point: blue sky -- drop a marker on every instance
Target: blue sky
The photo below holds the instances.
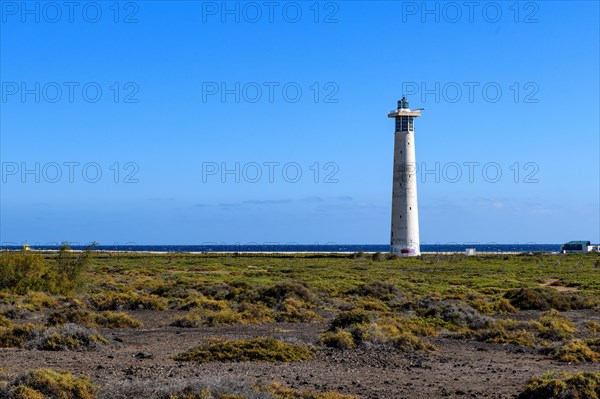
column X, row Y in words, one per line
column 190, row 89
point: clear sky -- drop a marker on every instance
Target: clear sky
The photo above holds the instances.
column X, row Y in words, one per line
column 266, row 122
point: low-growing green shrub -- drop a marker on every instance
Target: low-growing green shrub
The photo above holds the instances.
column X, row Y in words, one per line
column 16, row 312
column 107, row 319
column 39, row 301
column 563, row 385
column 293, row 311
column 575, row 351
column 506, row 331
column 210, row 388
column 424, row 326
column 358, row 328
column 378, row 290
column 223, row 290
column 244, row 350
column 501, row 306
column 42, row 384
column 131, row 301
column 206, row 393
column 76, row 316
column 17, row 335
column 390, row 334
column 283, row 302
column 245, row 313
column 378, row 257
column 67, row 337
column 195, row 301
column 593, row 327
column 340, row 339
column 279, row 392
column 279, row 292
column 407, row 341
column 208, row 318
column 454, row 312
column 593, row 343
column 519, row 337
column 370, row 305
column 255, row 313
column 350, row 319
column 553, row 326
column 110, row 319
column 357, row 255
column 545, row 298
column 4, row 322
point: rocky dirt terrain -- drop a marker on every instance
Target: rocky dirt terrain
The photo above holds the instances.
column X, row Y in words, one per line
column 138, row 357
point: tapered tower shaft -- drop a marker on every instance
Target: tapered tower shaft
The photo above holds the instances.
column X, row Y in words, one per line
column 405, row 212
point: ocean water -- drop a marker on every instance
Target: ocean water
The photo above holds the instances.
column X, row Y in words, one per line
column 307, row 248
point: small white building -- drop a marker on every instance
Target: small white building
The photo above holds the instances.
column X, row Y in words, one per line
column 576, row 247
column 470, row 251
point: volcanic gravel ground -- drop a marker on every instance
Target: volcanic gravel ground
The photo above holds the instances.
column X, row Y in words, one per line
column 459, row 369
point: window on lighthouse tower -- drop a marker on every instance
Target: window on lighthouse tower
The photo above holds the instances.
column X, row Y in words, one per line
column 404, row 121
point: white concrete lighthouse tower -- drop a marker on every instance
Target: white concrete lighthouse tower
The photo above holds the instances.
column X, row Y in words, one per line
column 405, row 212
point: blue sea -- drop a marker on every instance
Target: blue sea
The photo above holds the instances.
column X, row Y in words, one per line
column 432, row 248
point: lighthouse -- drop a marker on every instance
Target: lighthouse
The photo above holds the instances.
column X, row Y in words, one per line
column 405, row 212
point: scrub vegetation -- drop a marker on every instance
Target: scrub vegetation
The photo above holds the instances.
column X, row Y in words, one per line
column 50, row 384
column 247, row 350
column 45, row 383
column 23, row 272
column 563, row 385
